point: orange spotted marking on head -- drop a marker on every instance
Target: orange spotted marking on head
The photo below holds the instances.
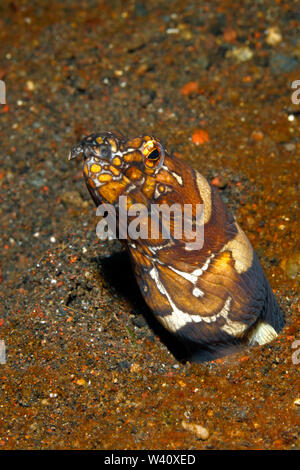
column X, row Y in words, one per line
column 134, row 173
column 149, row 187
column 112, row 190
column 133, row 157
column 95, row 168
column 86, row 170
column 167, row 178
column 134, row 143
column 104, row 177
column 114, row 170
column 117, row 161
column 99, row 140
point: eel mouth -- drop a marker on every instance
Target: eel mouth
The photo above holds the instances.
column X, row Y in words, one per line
column 75, row 151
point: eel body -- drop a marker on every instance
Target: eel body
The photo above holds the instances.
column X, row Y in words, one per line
column 202, row 280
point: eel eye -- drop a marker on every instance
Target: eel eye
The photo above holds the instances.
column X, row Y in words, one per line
column 154, row 154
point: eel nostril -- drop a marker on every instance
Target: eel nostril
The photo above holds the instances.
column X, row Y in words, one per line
column 75, row 151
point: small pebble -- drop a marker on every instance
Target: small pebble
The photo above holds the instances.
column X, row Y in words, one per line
column 291, row 265
column 230, row 35
column 200, row 137
column 274, row 36
column 134, row 368
column 199, row 431
column 289, row 146
column 281, row 63
column 146, row 99
column 81, row 382
column 240, row 54
column 257, row 135
column 73, row 198
column 142, row 69
column 250, row 221
column 172, row 31
column 189, row 88
column 219, row 181
column 123, row 365
column 30, row 85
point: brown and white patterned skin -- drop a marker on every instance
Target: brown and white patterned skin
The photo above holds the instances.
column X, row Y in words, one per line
column 214, row 298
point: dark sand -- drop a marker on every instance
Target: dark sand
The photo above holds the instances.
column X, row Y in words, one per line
column 87, row 367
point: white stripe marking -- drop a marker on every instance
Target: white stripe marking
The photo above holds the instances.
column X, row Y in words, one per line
column 197, row 292
column 198, row 272
column 193, row 277
column 178, row 319
column 177, row 177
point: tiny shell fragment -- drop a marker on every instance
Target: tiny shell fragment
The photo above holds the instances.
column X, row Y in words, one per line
column 199, row 431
